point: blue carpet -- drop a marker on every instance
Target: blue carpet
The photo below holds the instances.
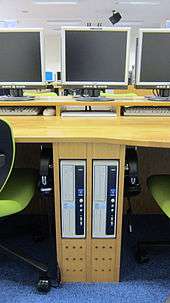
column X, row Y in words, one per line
column 149, row 283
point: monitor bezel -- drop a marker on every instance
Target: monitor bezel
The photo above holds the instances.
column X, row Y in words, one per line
column 138, row 82
column 26, row 84
column 92, row 84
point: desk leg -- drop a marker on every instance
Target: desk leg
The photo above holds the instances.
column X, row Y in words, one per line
column 88, row 260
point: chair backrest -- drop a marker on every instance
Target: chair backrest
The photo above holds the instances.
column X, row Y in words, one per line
column 7, row 152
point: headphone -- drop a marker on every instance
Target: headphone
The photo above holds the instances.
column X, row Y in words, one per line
column 132, row 186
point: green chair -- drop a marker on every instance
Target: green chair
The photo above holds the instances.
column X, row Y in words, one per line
column 159, row 187
column 17, row 188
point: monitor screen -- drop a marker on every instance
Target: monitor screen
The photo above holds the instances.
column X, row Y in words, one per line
column 95, row 56
column 21, row 57
column 153, row 59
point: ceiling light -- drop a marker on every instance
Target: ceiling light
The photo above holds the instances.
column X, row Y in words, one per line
column 140, row 2
column 115, row 18
column 54, row 2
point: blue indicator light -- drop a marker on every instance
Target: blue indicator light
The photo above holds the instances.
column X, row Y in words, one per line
column 80, row 192
column 112, row 192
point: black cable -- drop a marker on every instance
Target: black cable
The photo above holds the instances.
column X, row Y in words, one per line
column 129, row 214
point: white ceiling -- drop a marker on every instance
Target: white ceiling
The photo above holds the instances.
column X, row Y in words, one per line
column 135, row 13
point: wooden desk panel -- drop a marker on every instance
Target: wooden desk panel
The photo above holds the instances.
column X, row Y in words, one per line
column 89, row 260
column 151, row 161
column 136, row 131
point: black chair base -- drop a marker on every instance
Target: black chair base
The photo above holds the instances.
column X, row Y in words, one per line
column 45, row 186
column 44, row 282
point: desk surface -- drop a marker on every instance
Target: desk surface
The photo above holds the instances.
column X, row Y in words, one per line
column 145, row 131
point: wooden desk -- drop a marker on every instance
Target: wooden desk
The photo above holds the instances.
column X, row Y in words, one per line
column 90, row 259
column 135, row 131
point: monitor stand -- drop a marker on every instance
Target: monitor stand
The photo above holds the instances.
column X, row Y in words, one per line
column 14, row 95
column 162, row 94
column 92, row 95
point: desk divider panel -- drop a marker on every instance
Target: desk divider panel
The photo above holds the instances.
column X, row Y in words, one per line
column 88, row 259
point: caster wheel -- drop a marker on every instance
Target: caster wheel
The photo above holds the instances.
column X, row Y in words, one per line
column 141, row 256
column 44, row 285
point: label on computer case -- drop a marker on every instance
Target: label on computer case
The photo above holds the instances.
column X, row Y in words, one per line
column 105, row 192
column 73, row 182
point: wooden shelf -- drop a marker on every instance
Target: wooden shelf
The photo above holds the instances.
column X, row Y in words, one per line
column 59, row 102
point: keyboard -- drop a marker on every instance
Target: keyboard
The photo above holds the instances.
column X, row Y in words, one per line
column 12, row 98
column 158, row 98
column 94, row 99
column 147, row 111
column 87, row 114
column 20, row 110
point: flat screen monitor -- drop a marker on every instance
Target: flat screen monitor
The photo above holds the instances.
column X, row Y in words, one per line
column 21, row 58
column 153, row 59
column 95, row 57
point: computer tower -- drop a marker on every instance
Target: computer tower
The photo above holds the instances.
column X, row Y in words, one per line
column 73, row 198
column 105, row 196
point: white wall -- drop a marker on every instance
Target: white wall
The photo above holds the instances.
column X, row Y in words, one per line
column 52, row 52
column 134, row 35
